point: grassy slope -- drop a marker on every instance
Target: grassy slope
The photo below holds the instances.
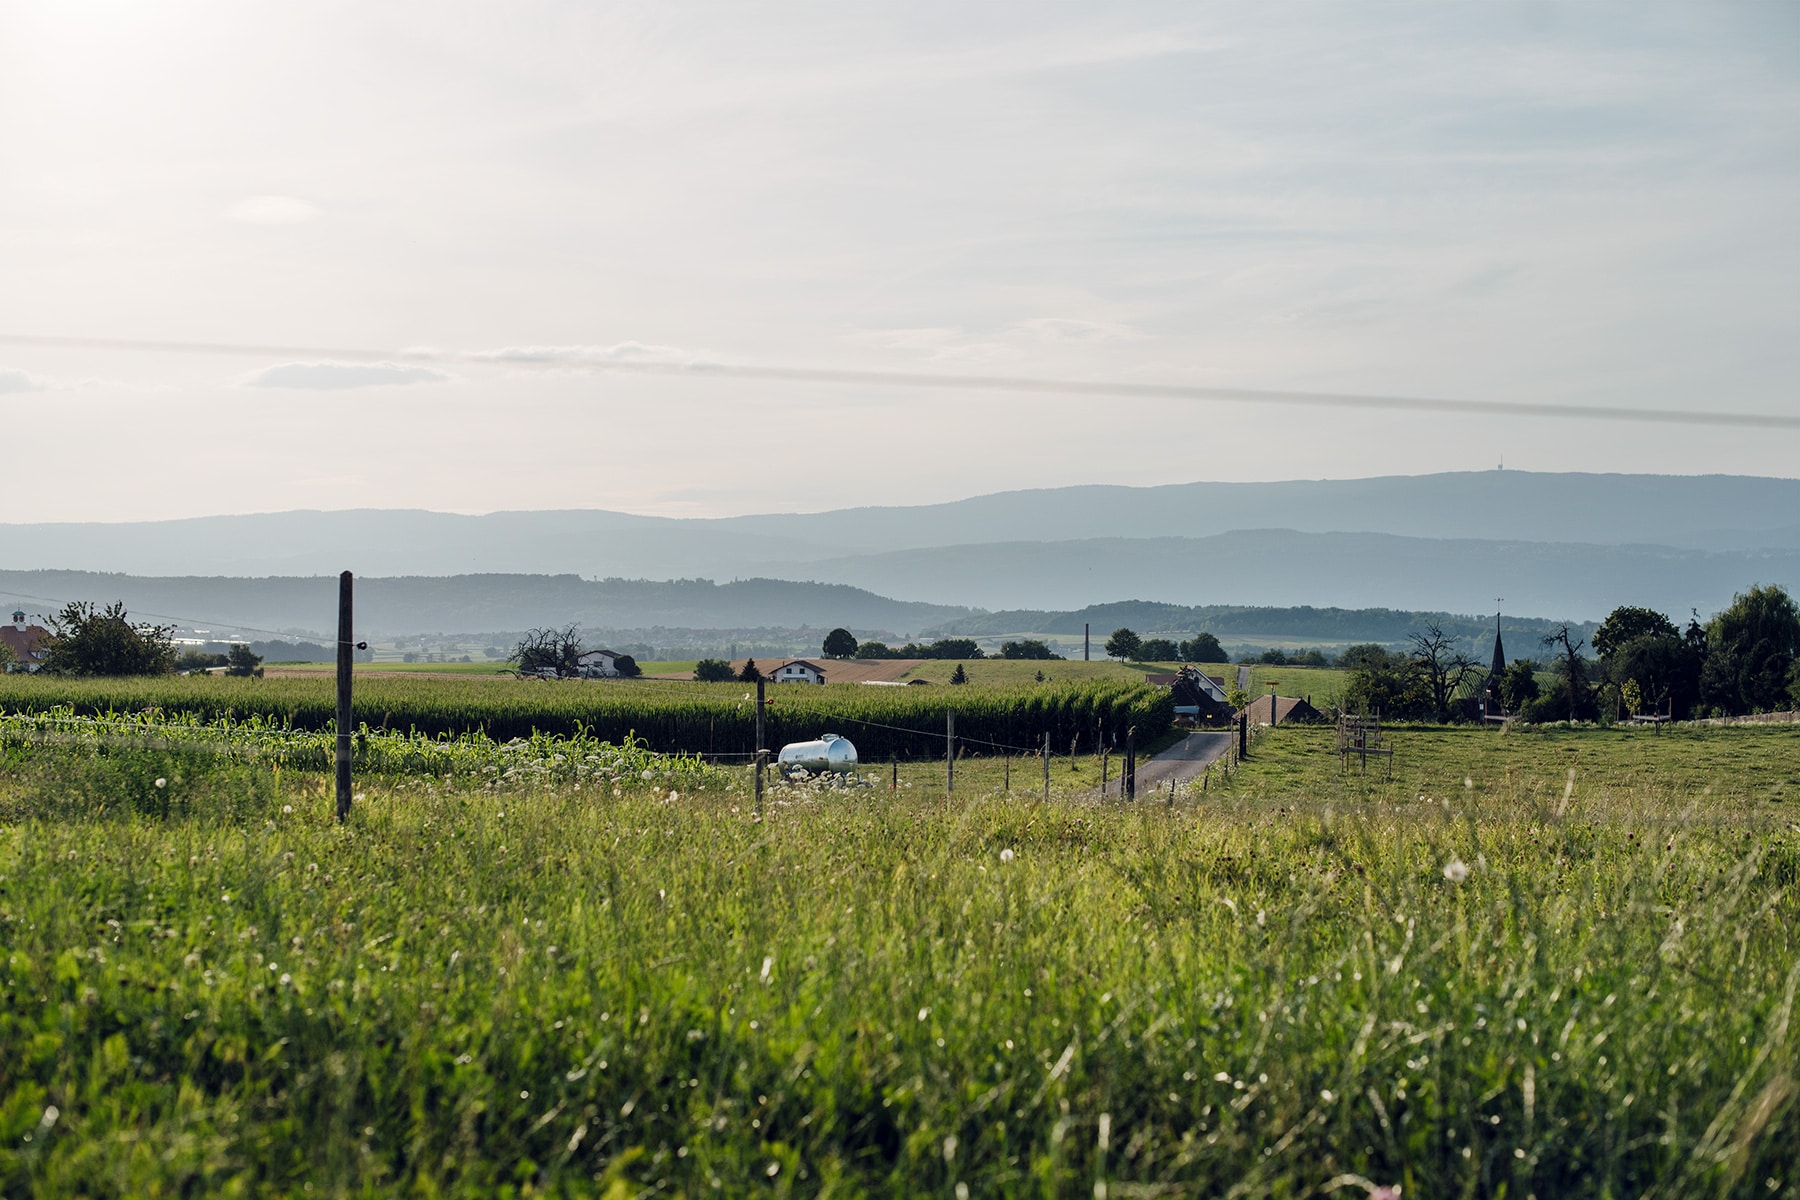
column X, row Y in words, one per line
column 1272, row 987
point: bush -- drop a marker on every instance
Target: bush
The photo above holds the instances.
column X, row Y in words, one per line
column 713, row 670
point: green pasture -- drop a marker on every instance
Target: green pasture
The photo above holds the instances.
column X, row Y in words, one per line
column 1551, row 962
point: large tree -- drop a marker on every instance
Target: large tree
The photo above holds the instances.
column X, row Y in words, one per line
column 1751, row 648
column 1158, row 650
column 1123, row 644
column 1574, row 670
column 550, row 651
column 1202, row 648
column 88, row 641
column 713, row 670
column 1442, row 666
column 1627, row 624
column 839, row 643
column 1026, row 648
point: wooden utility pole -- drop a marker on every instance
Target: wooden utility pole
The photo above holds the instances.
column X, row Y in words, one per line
column 949, row 751
column 1131, row 763
column 346, row 659
column 1085, row 654
column 761, row 751
column 1243, row 736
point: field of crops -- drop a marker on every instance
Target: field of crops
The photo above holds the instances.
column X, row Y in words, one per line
column 715, row 719
column 1555, row 963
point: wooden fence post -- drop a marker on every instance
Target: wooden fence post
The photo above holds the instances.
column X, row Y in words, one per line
column 346, row 650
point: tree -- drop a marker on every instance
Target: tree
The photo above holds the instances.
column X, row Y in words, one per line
column 839, row 643
column 1662, row 667
column 876, row 650
column 944, row 648
column 1202, row 648
column 1518, row 684
column 1026, row 649
column 243, row 662
column 1158, row 650
column 1444, row 668
column 712, row 670
column 1123, row 644
column 1626, row 624
column 959, row 675
column 1389, row 684
column 1756, row 641
column 1357, row 656
column 550, row 651
column 1573, row 668
column 627, row 667
column 199, row 662
column 88, row 641
column 749, row 674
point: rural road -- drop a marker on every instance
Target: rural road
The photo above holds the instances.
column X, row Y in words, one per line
column 1244, row 679
column 1183, row 761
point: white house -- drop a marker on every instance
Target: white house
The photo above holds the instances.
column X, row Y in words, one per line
column 599, row 664
column 797, row 671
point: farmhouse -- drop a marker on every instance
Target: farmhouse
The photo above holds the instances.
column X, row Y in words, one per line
column 797, row 671
column 26, row 643
column 1199, row 696
column 599, row 664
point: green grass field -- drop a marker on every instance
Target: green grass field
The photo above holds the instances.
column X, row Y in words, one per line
column 1538, row 963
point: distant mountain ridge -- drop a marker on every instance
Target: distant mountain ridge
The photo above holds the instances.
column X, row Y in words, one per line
column 1557, row 545
column 307, row 605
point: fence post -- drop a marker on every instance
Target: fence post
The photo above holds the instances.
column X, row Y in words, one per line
column 949, row 751
column 1007, row 757
column 761, row 753
column 1046, row 767
column 345, row 658
column 1131, row 763
column 1105, row 758
column 894, row 763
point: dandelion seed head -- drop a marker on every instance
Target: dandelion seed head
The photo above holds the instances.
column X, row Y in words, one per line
column 1456, row 870
column 1006, row 855
column 161, row 782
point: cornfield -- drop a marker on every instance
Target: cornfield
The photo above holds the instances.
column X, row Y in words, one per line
column 663, row 716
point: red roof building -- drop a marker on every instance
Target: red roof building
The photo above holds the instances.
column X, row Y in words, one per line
column 26, row 642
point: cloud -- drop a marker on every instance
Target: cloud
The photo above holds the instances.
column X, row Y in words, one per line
column 621, row 352
column 272, row 210
column 13, row 380
column 331, row 376
column 1069, row 329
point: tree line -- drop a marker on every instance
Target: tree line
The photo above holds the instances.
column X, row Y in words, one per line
column 1746, row 659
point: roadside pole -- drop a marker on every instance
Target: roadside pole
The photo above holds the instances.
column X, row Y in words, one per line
column 345, row 663
column 1046, row 768
column 949, row 751
column 761, row 751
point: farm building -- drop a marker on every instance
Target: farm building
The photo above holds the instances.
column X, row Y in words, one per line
column 26, row 642
column 1285, row 708
column 797, row 670
column 599, row 664
column 1199, row 696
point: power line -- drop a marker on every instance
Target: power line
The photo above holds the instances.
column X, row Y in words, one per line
column 914, row 379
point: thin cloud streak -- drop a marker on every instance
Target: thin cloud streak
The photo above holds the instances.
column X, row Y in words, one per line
column 381, row 369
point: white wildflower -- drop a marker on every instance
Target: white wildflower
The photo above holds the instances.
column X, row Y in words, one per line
column 161, row 782
column 1006, row 855
column 1456, row 870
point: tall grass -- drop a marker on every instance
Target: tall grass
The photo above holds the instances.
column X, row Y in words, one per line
column 1530, row 990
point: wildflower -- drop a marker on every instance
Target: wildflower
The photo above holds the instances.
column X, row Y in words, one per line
column 287, row 808
column 1456, row 870
column 161, row 782
column 1006, row 855
column 52, row 1114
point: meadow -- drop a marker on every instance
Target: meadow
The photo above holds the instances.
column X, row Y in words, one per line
column 1542, row 962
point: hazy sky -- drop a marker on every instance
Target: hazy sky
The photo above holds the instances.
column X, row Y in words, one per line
column 1581, row 203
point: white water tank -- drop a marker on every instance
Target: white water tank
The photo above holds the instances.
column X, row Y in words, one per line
column 830, row 753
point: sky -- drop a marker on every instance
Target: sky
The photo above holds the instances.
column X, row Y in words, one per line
column 1561, row 204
